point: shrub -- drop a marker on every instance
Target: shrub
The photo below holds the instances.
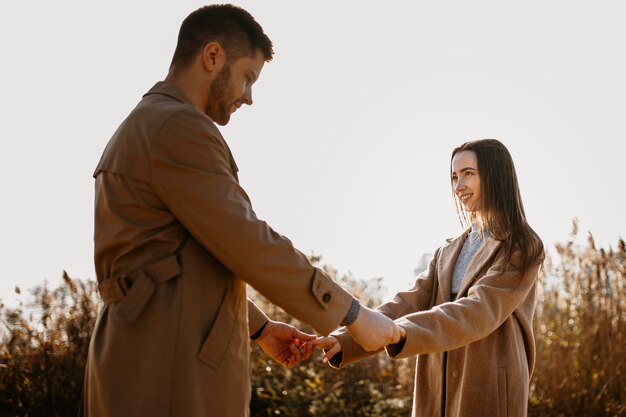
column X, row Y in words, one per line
column 375, row 386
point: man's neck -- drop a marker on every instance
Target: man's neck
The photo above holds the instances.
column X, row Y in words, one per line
column 190, row 88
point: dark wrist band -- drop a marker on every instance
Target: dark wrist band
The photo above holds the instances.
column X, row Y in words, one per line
column 256, row 334
column 352, row 314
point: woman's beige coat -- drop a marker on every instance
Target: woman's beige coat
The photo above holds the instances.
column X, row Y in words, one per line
column 476, row 354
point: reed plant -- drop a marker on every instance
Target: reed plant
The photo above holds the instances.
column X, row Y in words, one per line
column 581, row 333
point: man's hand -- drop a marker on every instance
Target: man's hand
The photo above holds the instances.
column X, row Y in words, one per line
column 373, row 330
column 282, row 342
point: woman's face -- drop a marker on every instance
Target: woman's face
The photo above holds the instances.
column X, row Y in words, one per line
column 466, row 181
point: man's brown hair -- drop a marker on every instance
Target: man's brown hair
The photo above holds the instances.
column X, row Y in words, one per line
column 232, row 27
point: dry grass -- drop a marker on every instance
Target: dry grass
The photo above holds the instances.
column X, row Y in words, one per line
column 42, row 356
column 581, row 334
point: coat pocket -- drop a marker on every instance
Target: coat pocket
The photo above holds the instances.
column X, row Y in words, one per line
column 216, row 343
column 136, row 300
column 502, row 393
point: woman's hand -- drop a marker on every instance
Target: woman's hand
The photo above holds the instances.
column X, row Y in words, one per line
column 329, row 344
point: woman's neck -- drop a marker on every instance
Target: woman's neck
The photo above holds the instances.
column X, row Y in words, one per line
column 477, row 223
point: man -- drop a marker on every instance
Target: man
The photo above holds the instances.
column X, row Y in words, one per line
column 176, row 241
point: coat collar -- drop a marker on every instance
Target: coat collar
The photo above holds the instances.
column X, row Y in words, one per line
column 168, row 89
column 449, row 255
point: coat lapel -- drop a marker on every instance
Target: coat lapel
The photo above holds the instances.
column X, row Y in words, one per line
column 445, row 267
column 484, row 255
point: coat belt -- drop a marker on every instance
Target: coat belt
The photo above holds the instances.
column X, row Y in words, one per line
column 115, row 289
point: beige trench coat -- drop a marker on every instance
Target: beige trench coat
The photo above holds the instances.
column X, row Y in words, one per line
column 176, row 241
column 475, row 355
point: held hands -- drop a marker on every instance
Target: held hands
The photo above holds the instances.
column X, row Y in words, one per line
column 282, row 342
column 289, row 346
column 379, row 332
column 330, row 345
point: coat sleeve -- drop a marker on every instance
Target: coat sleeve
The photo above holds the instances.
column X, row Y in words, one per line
column 490, row 301
column 192, row 174
column 418, row 298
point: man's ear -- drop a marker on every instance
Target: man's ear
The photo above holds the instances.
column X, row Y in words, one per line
column 213, row 57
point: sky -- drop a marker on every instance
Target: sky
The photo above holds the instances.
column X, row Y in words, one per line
column 346, row 149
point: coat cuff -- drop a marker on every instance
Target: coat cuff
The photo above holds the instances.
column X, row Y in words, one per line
column 351, row 351
column 403, row 349
column 333, row 300
column 256, row 318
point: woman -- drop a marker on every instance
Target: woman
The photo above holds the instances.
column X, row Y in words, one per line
column 469, row 315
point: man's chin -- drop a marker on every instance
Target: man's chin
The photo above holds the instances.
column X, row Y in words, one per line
column 222, row 120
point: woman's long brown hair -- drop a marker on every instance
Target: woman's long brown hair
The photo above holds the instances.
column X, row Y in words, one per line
column 501, row 208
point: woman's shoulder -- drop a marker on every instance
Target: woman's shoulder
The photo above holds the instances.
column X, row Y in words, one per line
column 535, row 245
column 527, row 251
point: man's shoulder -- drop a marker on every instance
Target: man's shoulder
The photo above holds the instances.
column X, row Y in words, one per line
column 163, row 118
column 130, row 143
column 157, row 110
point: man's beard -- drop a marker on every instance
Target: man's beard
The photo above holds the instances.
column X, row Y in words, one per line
column 217, row 105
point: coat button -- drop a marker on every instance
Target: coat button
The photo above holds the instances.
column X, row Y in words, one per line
column 455, row 374
column 326, row 297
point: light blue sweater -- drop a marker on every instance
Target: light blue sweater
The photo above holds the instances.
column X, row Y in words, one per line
column 471, row 245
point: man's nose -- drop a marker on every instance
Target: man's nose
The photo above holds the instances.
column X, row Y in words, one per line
column 247, row 97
